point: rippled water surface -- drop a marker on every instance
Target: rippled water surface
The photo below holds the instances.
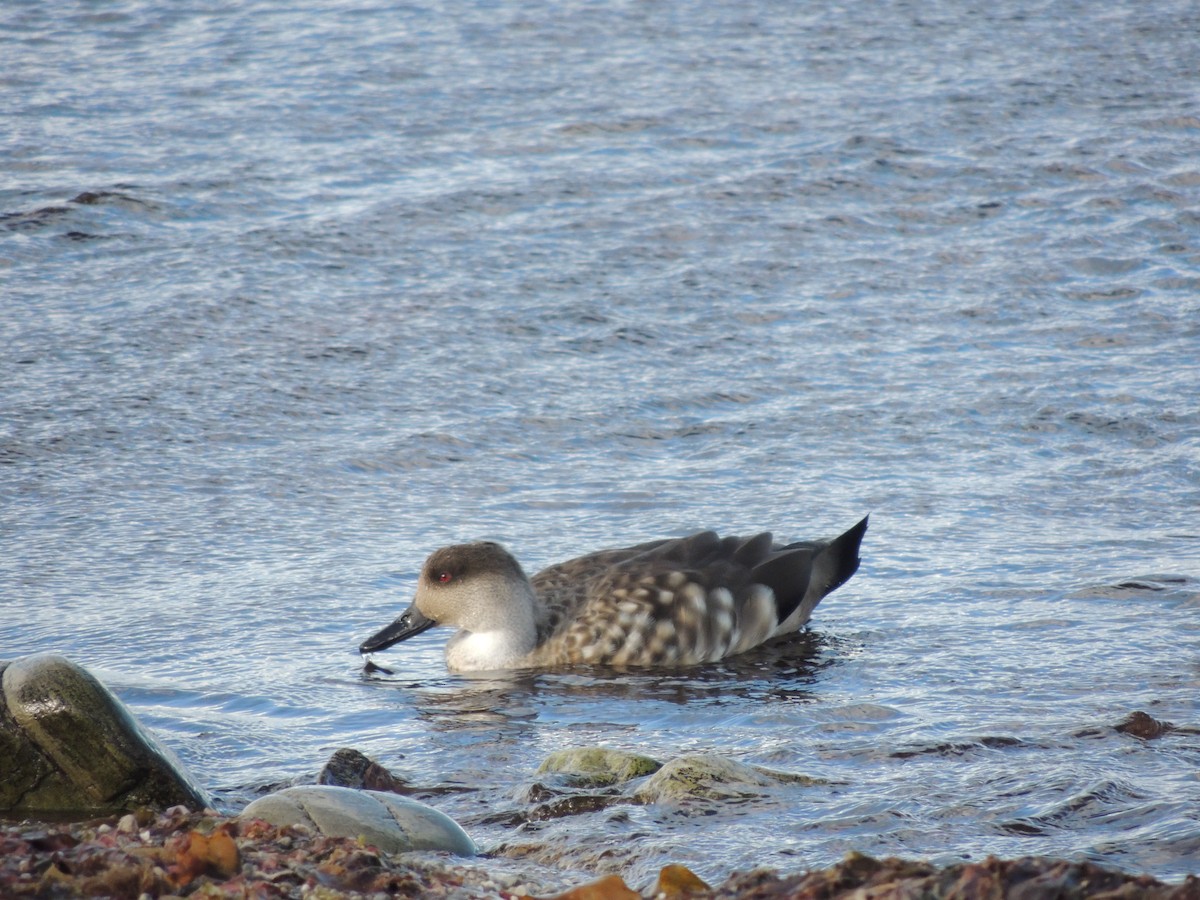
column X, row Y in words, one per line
column 294, row 293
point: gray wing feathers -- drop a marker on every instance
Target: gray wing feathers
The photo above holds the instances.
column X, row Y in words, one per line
column 692, row 599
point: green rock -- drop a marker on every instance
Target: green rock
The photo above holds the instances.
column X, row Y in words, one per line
column 711, row 777
column 598, row 766
column 76, row 749
column 24, row 768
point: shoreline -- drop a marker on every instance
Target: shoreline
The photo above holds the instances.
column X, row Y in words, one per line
column 180, row 853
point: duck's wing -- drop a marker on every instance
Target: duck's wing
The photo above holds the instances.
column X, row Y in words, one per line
column 693, row 599
column 566, row 587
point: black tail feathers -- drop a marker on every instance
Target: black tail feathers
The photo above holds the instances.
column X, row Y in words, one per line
column 842, row 554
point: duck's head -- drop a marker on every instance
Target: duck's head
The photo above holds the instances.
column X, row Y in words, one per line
column 477, row 588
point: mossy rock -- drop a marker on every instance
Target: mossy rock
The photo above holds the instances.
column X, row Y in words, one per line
column 71, row 747
column 710, row 777
column 598, row 766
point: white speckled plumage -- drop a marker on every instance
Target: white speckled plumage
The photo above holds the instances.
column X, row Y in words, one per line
column 674, row 602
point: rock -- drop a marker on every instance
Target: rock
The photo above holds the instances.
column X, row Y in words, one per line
column 597, row 766
column 127, row 824
column 70, row 746
column 1142, row 725
column 711, row 777
column 675, row 881
column 391, row 823
column 351, row 769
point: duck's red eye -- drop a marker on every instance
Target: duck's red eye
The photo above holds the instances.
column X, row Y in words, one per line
column 444, row 577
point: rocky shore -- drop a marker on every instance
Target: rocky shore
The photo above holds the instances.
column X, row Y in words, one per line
column 179, row 853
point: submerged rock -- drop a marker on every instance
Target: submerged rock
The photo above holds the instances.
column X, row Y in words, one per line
column 393, row 824
column 1142, row 725
column 71, row 747
column 598, row 779
column 711, row 777
column 598, row 766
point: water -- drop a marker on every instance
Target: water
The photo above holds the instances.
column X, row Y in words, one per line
column 293, row 296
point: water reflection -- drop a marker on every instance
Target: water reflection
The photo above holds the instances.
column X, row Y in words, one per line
column 785, row 669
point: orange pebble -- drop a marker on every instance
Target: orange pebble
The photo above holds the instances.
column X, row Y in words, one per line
column 675, row 881
column 610, row 887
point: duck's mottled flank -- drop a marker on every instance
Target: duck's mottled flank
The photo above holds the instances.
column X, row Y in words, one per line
column 665, row 603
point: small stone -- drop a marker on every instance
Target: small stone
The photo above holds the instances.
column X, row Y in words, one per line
column 676, row 881
column 127, row 824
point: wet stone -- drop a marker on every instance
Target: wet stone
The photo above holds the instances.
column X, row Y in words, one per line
column 572, row 806
column 391, row 823
column 352, row 769
column 71, row 747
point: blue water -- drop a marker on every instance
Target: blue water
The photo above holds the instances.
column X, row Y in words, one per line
column 292, row 295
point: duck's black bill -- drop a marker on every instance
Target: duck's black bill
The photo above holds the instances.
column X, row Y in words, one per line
column 410, row 623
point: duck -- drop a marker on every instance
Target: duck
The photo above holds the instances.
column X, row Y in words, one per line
column 667, row 603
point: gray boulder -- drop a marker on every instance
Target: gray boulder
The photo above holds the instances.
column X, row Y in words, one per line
column 389, row 822
column 71, row 747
